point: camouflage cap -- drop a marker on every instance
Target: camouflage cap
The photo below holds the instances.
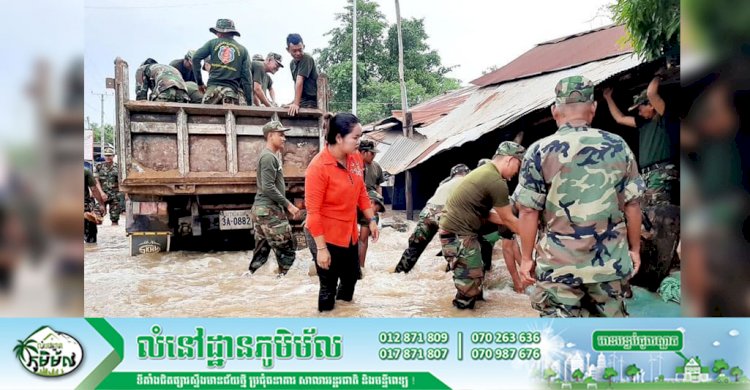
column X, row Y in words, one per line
column 574, row 89
column 108, row 151
column 510, row 148
column 276, row 57
column 641, row 98
column 367, row 146
column 274, row 126
column 460, row 169
column 224, row 26
column 189, row 55
column 377, row 198
column 257, row 57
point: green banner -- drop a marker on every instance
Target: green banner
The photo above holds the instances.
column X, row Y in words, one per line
column 637, row 340
column 110, row 361
column 271, row 380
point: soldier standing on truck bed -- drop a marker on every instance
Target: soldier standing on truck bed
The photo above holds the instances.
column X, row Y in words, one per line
column 272, row 229
column 262, row 82
column 185, row 66
column 304, row 74
column 165, row 82
column 229, row 80
column 106, row 176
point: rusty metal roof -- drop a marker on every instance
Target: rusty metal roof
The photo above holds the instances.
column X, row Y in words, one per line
column 491, row 108
column 424, row 114
column 562, row 53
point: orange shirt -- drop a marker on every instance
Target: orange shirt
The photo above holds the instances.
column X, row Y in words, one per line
column 332, row 195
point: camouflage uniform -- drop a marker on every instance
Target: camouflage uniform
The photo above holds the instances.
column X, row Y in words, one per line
column 218, row 94
column 164, row 81
column 108, row 177
column 272, row 229
column 660, row 180
column 463, row 249
column 194, row 93
column 89, row 204
column 427, row 225
column 580, row 178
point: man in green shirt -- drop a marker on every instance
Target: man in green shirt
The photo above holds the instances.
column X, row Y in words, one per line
column 262, row 80
column 373, row 176
column 229, row 80
column 304, row 74
column 272, row 229
column 655, row 156
column 469, row 205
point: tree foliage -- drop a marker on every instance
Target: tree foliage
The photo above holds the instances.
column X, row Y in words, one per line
column 378, row 88
column 653, row 25
column 719, row 366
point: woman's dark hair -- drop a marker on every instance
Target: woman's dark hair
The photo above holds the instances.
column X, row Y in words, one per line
column 338, row 124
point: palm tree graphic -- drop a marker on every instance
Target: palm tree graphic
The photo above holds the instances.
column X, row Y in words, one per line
column 26, row 347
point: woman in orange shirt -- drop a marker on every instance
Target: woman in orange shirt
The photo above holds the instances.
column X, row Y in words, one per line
column 334, row 189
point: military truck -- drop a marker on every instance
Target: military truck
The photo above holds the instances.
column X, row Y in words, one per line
column 188, row 171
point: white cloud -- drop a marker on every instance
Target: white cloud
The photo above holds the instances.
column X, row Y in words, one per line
column 734, row 332
column 716, row 343
column 570, row 345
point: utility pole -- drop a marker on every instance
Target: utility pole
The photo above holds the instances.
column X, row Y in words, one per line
column 101, row 123
column 354, row 57
column 406, row 120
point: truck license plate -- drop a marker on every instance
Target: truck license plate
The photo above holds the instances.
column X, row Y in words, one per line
column 235, row 219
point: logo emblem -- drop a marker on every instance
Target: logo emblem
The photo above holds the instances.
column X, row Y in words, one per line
column 47, row 352
column 226, row 54
column 149, row 247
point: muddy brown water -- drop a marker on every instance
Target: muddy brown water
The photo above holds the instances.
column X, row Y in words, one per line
column 216, row 284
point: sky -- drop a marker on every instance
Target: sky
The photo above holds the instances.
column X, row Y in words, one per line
column 475, row 35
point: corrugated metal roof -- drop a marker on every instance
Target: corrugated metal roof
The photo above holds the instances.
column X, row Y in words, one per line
column 424, row 114
column 497, row 106
column 402, row 152
column 561, row 53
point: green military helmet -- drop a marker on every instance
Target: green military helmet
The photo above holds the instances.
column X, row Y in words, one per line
column 367, row 146
column 274, row 126
column 257, row 57
column 460, row 169
column 574, row 89
column 641, row 98
column 276, row 57
column 108, row 151
column 377, row 198
column 510, row 148
column 225, row 26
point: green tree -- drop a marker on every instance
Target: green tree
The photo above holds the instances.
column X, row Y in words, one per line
column 577, row 375
column 109, row 133
column 610, row 373
column 589, row 380
column 736, row 372
column 26, row 347
column 719, row 366
column 378, row 88
column 549, row 374
column 653, row 25
column 631, row 371
column 660, row 378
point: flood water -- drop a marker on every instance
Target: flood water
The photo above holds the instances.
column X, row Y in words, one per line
column 194, row 284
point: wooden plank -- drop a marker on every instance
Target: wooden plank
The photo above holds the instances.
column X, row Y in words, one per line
column 203, row 128
column 231, row 129
column 122, row 118
column 257, row 131
column 208, row 153
column 142, row 106
column 183, row 148
column 322, row 106
column 153, row 127
column 164, row 118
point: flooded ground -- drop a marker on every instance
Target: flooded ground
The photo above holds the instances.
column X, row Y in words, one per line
column 197, row 284
column 192, row 284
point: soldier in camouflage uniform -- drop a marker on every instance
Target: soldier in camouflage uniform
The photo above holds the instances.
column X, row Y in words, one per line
column 229, row 81
column 272, row 229
column 106, row 176
column 656, row 155
column 468, row 208
column 427, row 225
column 194, row 93
column 91, row 212
column 584, row 183
column 165, row 82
